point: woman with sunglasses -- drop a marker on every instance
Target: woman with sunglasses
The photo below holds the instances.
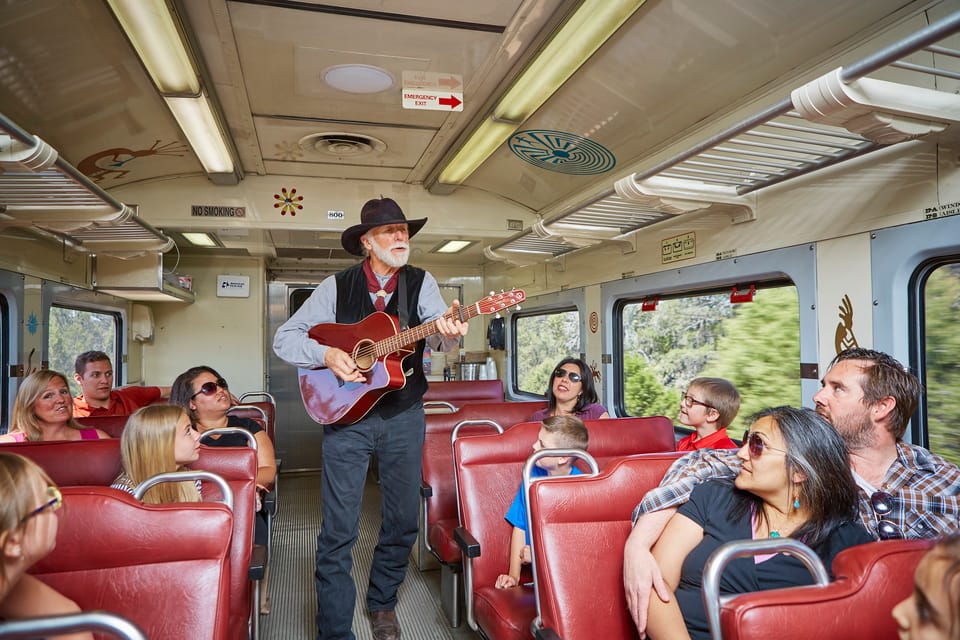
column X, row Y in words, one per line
column 204, row 394
column 159, row 439
column 794, row 482
column 43, row 411
column 571, row 393
column 28, row 532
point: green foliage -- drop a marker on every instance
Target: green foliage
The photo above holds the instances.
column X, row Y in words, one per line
column 942, row 328
column 542, row 341
column 73, row 331
column 643, row 393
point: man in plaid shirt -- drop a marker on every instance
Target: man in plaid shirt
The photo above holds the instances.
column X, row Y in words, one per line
column 905, row 491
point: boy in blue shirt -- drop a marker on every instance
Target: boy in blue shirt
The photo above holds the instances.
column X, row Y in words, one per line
column 556, row 432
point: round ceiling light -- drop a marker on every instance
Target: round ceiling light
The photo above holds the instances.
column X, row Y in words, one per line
column 358, row 78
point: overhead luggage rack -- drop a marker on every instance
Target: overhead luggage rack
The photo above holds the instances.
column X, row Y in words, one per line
column 41, row 192
column 837, row 117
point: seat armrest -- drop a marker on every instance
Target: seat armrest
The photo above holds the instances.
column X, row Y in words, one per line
column 258, row 562
column 426, row 491
column 467, row 543
column 546, row 633
column 269, row 502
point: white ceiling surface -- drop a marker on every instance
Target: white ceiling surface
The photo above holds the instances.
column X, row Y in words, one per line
column 68, row 75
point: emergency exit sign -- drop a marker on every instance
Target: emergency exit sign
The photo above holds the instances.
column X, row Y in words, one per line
column 432, row 100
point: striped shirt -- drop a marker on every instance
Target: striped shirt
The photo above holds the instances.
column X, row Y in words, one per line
column 925, row 487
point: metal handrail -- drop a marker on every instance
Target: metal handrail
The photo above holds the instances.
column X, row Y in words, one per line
column 99, row 621
column 182, row 476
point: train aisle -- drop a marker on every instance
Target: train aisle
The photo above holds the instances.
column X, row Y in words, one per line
column 292, row 594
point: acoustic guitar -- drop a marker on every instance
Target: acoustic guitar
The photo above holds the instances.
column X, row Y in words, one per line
column 378, row 347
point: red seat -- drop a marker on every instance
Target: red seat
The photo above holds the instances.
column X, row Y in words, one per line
column 869, row 580
column 163, row 567
column 461, row 392
column 488, row 470
column 238, row 466
column 113, row 425
column 74, row 462
column 581, row 526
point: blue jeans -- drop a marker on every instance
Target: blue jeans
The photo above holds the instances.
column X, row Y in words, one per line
column 398, row 444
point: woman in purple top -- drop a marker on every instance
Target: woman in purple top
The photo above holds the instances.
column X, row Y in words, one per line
column 43, row 411
column 571, row 393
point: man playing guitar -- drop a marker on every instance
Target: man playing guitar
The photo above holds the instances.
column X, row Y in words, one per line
column 393, row 428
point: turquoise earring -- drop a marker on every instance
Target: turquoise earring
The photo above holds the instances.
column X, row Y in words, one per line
column 796, row 503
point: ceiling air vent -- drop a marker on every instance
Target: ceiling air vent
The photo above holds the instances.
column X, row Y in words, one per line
column 342, row 145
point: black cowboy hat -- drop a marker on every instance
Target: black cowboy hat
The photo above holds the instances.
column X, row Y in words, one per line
column 377, row 213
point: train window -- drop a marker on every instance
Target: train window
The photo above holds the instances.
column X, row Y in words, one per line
column 940, row 350
column 539, row 342
column 755, row 345
column 73, row 331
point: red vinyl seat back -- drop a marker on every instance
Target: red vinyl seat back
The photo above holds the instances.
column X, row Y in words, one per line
column 460, row 392
column 269, row 409
column 163, row 567
column 113, row 425
column 488, row 469
column 437, row 465
column 238, row 466
column 869, row 580
column 582, row 524
column 74, row 462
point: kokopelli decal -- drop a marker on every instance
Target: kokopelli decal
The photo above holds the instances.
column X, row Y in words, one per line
column 844, row 338
column 110, row 163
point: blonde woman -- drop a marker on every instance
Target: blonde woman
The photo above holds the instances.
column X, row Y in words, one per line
column 43, row 411
column 28, row 532
column 159, row 439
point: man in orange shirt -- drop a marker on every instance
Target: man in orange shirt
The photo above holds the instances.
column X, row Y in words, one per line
column 94, row 373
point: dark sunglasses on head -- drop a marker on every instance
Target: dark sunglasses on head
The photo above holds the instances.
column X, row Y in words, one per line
column 756, row 445
column 560, row 373
column 210, row 388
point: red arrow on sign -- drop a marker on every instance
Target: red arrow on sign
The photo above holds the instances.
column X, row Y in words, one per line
column 451, row 102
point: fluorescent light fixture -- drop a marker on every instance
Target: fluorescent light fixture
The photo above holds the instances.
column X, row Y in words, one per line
column 199, row 239
column 478, row 148
column 155, row 36
column 571, row 46
column 452, row 246
column 197, row 122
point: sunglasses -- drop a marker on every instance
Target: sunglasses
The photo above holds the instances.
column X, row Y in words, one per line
column 563, row 373
column 688, row 401
column 882, row 503
column 210, row 388
column 756, row 445
column 54, row 503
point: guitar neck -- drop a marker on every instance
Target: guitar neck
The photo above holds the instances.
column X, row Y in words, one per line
column 423, row 331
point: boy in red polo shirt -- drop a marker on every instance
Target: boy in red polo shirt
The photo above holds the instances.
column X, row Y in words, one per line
column 709, row 406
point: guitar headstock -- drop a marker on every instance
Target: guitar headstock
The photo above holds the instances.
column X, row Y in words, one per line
column 496, row 302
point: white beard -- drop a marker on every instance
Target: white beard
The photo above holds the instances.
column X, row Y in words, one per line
column 388, row 257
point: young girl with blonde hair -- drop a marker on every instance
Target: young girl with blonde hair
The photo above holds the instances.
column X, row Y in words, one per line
column 159, row 439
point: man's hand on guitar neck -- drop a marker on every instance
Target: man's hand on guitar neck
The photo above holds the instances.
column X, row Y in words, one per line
column 342, row 365
column 452, row 328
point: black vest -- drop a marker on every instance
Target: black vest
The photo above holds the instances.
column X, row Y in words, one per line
column 354, row 304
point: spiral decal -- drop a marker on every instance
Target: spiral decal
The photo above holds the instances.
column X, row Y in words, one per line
column 562, row 152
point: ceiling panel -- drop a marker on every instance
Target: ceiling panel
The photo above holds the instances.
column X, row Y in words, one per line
column 698, row 62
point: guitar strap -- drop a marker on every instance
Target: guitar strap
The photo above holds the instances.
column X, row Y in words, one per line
column 402, row 309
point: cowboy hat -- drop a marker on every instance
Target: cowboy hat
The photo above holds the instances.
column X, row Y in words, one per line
column 377, row 213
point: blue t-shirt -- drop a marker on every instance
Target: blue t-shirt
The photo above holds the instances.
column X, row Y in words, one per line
column 517, row 513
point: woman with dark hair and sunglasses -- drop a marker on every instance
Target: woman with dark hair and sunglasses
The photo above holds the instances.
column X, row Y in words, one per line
column 28, row 532
column 794, row 482
column 571, row 393
column 204, row 394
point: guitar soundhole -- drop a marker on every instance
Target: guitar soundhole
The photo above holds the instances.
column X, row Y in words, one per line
column 364, row 354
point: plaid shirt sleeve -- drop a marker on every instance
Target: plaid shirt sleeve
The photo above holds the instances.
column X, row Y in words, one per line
column 927, row 489
column 685, row 474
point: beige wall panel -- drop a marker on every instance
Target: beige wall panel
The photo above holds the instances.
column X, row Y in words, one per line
column 844, row 296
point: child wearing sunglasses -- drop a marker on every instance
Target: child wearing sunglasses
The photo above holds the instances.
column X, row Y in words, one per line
column 932, row 612
column 708, row 406
column 571, row 393
column 28, row 532
column 794, row 481
column 556, row 432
